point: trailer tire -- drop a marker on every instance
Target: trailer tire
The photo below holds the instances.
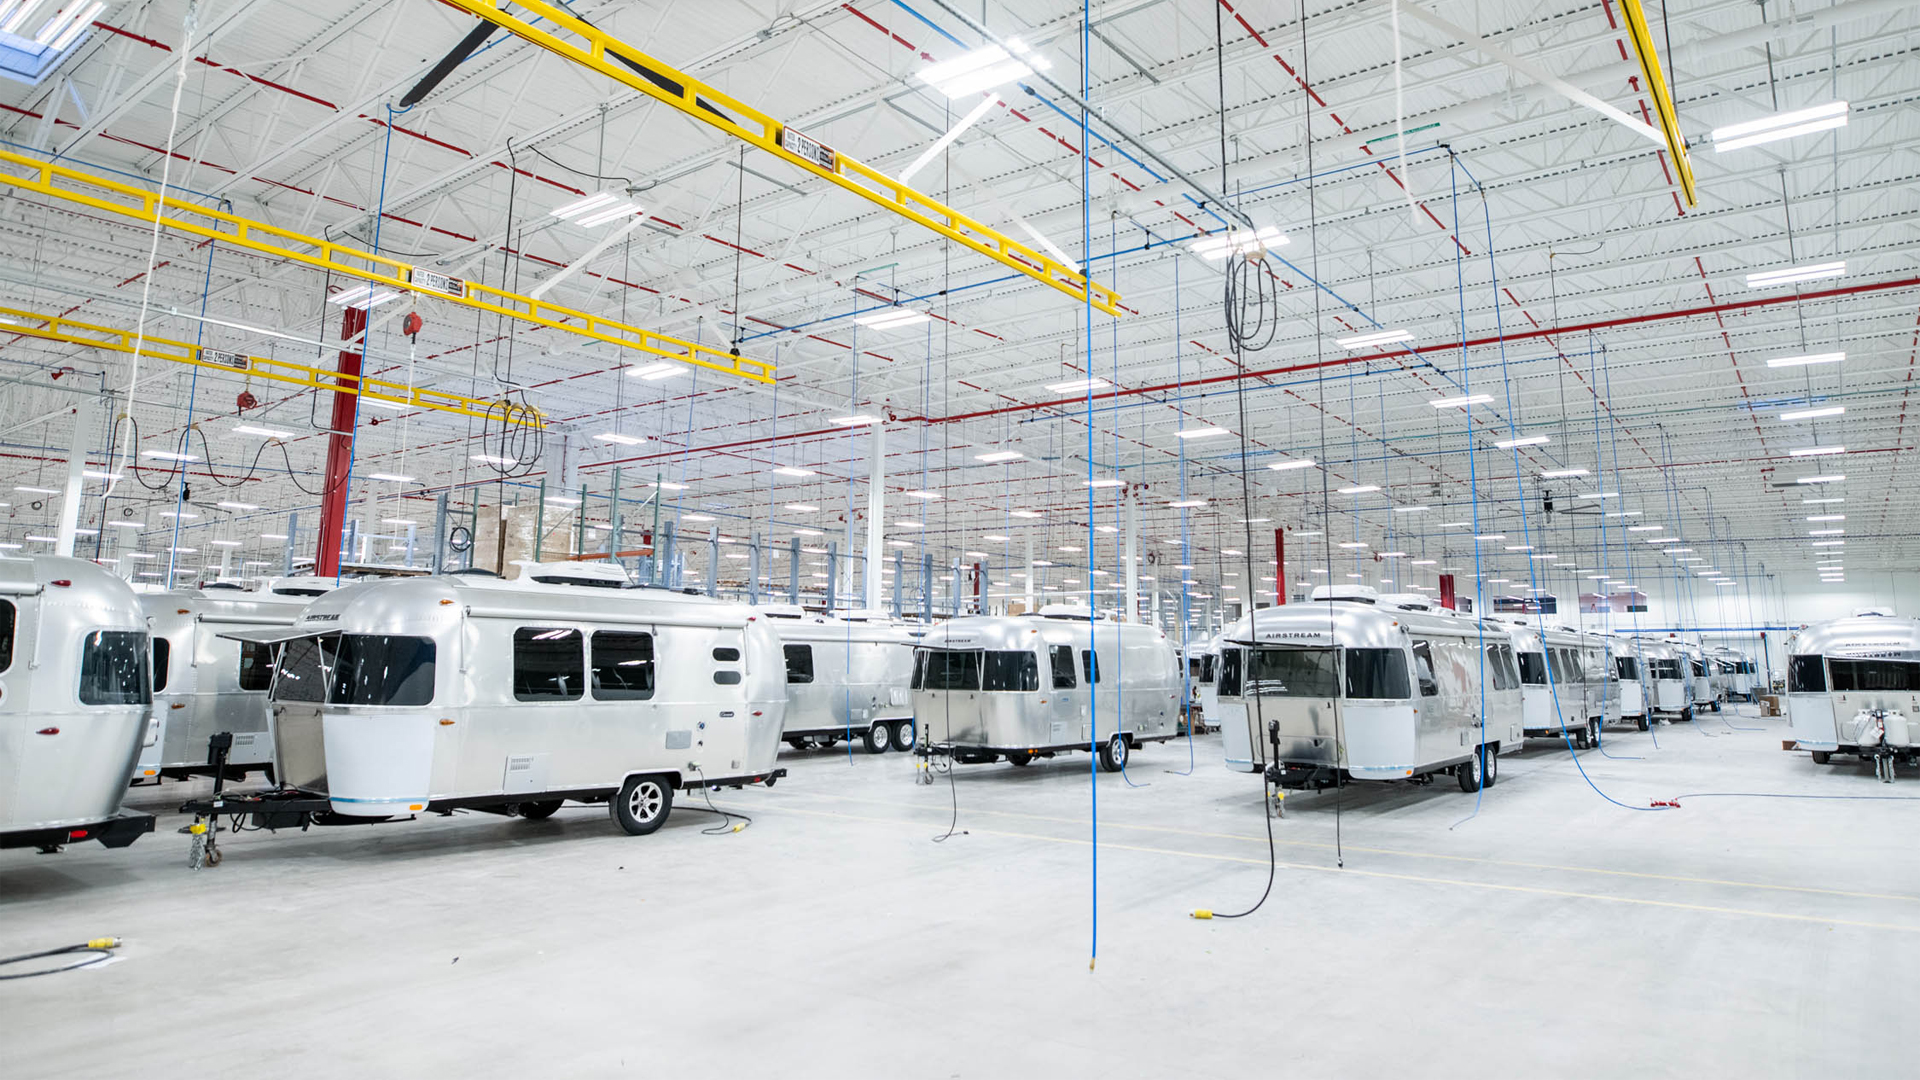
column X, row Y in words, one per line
column 903, row 735
column 1470, row 771
column 642, row 805
column 1113, row 753
column 798, row 742
column 1579, row 738
column 1490, row 772
column 540, row 811
column 1687, row 714
column 876, row 738
column 1821, row 757
column 1643, row 723
column 1020, row 757
column 1593, row 732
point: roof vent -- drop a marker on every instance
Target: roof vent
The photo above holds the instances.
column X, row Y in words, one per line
column 1359, row 594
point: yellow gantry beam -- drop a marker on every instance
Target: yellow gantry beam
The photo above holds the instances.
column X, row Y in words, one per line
column 112, row 197
column 591, row 47
column 110, row 339
column 1662, row 97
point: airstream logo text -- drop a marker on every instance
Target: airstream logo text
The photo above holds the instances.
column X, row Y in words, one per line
column 321, row 618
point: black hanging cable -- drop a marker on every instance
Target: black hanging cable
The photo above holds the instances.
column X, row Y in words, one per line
column 739, row 216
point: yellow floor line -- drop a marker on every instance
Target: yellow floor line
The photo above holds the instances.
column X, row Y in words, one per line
column 1170, row 830
column 1530, row 889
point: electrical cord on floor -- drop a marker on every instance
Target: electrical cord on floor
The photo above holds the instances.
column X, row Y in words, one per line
column 98, row 950
column 1273, row 865
column 727, row 823
column 953, row 792
column 1675, row 802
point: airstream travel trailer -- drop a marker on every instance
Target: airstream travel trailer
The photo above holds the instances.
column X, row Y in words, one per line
column 1669, row 686
column 1629, row 669
column 1348, row 688
column 75, row 703
column 1569, row 686
column 204, row 683
column 847, row 677
column 1693, row 667
column 396, row 696
column 1027, row 686
column 1733, row 674
column 1853, row 687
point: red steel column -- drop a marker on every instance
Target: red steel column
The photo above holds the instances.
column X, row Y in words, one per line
column 1279, row 567
column 346, row 412
column 1446, row 591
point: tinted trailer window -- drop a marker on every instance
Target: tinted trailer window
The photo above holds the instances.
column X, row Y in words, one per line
column 1292, row 673
column 113, row 668
column 383, row 669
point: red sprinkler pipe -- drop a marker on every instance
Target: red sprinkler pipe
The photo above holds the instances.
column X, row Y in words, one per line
column 333, row 496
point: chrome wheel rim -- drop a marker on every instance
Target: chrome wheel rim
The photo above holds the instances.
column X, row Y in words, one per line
column 644, row 803
column 1119, row 750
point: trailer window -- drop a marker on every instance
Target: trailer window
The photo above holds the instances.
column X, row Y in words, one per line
column 113, row 668
column 947, row 670
column 1423, row 669
column 1229, row 673
column 1670, row 669
column 1533, row 668
column 1699, row 669
column 6, row 634
column 799, row 663
column 1627, row 668
column 726, row 654
column 1377, row 674
column 1806, row 675
column 622, row 665
column 1060, row 659
column 256, row 666
column 1209, row 665
column 1500, row 662
column 1292, row 673
column 1090, row 665
column 383, row 669
column 302, row 669
column 548, row 664
column 1011, row 671
column 1846, row 676
column 162, row 652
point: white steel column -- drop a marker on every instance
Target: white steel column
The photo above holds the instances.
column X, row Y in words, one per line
column 76, row 476
column 1029, row 533
column 1132, row 561
column 876, row 513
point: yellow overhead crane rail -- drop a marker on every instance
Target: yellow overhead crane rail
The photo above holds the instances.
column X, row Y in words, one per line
column 632, row 68
column 110, row 339
column 112, row 197
column 1662, row 96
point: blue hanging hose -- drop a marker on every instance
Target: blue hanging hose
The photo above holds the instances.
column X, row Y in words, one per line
column 1186, row 538
column 1093, row 683
column 1473, row 475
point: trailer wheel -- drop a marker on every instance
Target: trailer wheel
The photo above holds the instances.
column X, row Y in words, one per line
column 1821, row 757
column 1579, row 738
column 540, row 811
column 1019, row 757
column 1491, row 770
column 876, row 738
column 1643, row 723
column 1470, row 771
column 643, row 805
column 1687, row 714
column 903, row 736
column 1113, row 753
column 1593, row 732
column 798, row 742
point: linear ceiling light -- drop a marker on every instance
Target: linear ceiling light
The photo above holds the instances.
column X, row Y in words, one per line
column 933, row 150
column 1530, row 440
column 362, row 297
column 1803, row 361
column 1794, row 275
column 983, row 69
column 623, row 440
column 927, row 496
column 1814, row 414
column 1781, row 126
column 1201, row 432
column 656, row 372
column 1359, row 489
column 995, row 456
column 1078, row 386
column 1374, row 340
column 856, row 420
column 892, row 318
column 1832, row 479
column 1460, row 402
column 1237, row 242
column 1283, row 466
column 1555, row 474
column 1816, row 451
column 785, row 470
column 1827, row 517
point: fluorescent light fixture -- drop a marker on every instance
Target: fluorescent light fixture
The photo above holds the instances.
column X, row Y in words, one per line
column 1816, row 451
column 44, row 539
column 891, row 318
column 1410, row 509
column 1806, row 361
column 856, row 420
column 1491, row 536
column 1187, row 504
column 390, row 406
column 238, row 505
column 1829, row 543
column 611, row 213
column 1780, row 126
column 1201, row 432
column 1826, row 532
column 1529, row 440
column 1283, row 466
column 1794, row 275
column 1519, row 547
column 99, row 474
column 924, row 496
column 585, row 205
column 1645, row 528
column 946, row 140
column 696, row 517
column 1817, row 502
column 789, row 470
column 668, row 485
column 1353, row 545
column 1663, row 540
column 398, row 521
column 1252, row 521
column 1555, row 474
column 1827, row 517
column 656, row 372
column 183, row 515
column 1359, row 489
column 273, row 536
column 810, row 532
column 168, row 455
column 391, row 478
column 1374, row 340
column 1422, row 562
column 493, row 459
column 803, row 508
column 1599, row 495
column 1831, row 479
column 1460, row 402
column 908, row 525
column 1677, row 551
column 1456, row 524
column 995, row 456
column 1107, row 483
column 1402, row 555
column 226, row 543
column 1814, row 414
column 363, row 297
column 176, row 551
column 126, row 524
column 623, row 440
column 991, row 539
column 1237, row 241
column 263, row 432
column 1079, row 386
column 1023, row 513
column 983, row 69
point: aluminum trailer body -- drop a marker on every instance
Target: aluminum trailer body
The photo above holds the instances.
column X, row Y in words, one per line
column 1567, row 677
column 1669, row 687
column 1841, row 673
column 846, row 677
column 75, row 703
column 1630, row 670
column 1342, row 688
column 1017, row 687
column 204, row 683
column 395, row 696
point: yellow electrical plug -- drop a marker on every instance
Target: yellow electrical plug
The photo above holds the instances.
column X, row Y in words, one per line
column 737, row 828
column 1203, row 913
column 197, row 828
column 103, row 943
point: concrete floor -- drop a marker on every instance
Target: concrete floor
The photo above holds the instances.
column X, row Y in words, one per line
column 1550, row 935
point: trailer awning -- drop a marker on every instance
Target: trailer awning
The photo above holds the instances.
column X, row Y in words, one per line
column 272, row 635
